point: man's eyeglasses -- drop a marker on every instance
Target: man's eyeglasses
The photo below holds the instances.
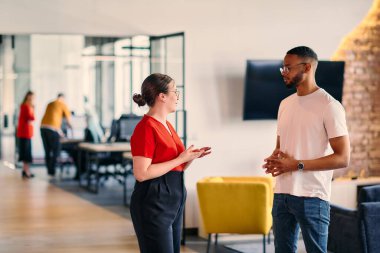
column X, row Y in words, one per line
column 285, row 70
column 175, row 91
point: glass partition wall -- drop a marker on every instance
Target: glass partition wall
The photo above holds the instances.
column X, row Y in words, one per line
column 103, row 71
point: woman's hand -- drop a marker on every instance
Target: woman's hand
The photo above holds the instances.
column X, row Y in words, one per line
column 143, row 169
column 191, row 153
column 207, row 151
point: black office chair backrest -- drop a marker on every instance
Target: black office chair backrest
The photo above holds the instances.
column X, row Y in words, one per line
column 88, row 136
column 114, row 131
column 126, row 126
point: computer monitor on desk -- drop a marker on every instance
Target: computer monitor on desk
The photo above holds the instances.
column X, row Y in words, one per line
column 126, row 126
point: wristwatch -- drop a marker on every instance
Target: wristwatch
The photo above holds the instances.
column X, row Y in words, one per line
column 300, row 166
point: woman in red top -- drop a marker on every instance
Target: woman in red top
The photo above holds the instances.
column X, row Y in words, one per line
column 25, row 133
column 159, row 160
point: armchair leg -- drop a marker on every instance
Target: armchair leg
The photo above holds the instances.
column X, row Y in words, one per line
column 208, row 243
column 264, row 244
column 269, row 237
column 216, row 239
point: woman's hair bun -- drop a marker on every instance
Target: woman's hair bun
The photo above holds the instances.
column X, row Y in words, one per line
column 139, row 99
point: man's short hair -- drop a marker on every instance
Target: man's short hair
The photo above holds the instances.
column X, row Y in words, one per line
column 303, row 52
column 60, row 95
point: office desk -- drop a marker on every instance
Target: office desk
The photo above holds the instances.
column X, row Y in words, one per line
column 68, row 141
column 105, row 147
column 92, row 152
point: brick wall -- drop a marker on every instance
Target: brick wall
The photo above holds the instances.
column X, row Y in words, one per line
column 361, row 93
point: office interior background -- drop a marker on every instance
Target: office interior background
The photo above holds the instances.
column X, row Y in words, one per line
column 53, row 38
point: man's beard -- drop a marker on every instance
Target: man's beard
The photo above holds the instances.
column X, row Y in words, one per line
column 295, row 81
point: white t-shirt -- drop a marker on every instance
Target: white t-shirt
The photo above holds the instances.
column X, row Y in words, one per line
column 305, row 125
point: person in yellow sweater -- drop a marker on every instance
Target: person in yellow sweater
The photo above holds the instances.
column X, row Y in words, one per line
column 51, row 130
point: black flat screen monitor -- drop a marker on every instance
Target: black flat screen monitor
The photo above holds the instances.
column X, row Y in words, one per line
column 265, row 88
column 126, row 127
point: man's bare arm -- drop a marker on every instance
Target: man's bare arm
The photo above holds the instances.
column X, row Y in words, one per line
column 339, row 159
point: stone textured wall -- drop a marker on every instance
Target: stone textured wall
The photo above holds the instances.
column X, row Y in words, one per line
column 361, row 93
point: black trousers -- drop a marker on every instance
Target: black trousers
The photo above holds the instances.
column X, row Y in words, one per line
column 157, row 211
column 52, row 146
column 25, row 150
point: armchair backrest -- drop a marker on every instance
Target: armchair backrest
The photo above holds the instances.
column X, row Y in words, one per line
column 369, row 194
column 236, row 204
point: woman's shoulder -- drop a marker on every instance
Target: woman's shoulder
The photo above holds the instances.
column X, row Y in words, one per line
column 145, row 129
column 145, row 124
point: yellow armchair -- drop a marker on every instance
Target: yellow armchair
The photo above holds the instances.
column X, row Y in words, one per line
column 239, row 205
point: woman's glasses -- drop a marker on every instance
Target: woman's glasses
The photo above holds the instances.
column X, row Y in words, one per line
column 175, row 91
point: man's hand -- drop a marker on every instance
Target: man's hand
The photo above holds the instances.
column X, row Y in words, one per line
column 274, row 155
column 279, row 163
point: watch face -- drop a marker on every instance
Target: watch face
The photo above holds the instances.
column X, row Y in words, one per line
column 300, row 166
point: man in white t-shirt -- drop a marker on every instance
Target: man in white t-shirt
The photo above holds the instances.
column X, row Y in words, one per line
column 312, row 140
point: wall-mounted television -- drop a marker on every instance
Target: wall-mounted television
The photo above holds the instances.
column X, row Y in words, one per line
column 265, row 88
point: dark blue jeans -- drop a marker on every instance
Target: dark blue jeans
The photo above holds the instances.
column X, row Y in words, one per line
column 290, row 213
